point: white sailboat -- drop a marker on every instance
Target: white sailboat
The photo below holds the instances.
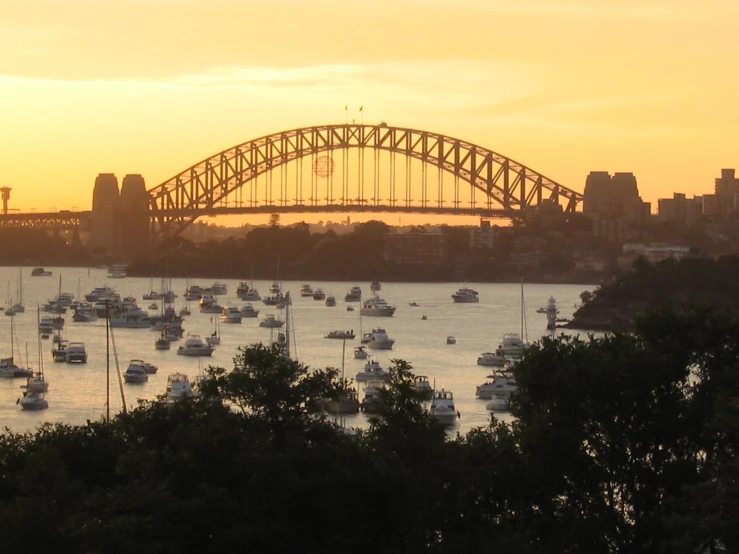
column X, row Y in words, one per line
column 34, row 397
column 18, row 307
column 215, row 336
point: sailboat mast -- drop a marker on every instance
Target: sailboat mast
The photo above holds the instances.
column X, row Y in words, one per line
column 107, row 362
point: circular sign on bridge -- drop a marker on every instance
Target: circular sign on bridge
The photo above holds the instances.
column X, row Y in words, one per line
column 323, row 166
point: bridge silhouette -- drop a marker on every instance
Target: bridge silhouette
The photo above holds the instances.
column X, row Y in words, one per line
column 344, row 168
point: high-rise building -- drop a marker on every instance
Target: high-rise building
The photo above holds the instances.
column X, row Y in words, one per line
column 614, row 205
column 727, row 184
column 133, row 217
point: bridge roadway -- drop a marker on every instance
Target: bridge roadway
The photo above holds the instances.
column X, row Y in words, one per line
column 66, row 220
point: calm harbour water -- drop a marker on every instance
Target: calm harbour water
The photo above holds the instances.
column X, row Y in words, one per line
column 78, row 392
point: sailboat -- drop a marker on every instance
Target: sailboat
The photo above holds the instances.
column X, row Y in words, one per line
column 9, row 310
column 8, row 368
column 215, row 336
column 37, row 382
column 18, row 307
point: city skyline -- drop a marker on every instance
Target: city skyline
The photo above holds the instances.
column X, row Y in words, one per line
column 154, row 86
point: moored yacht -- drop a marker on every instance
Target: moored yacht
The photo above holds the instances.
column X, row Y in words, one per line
column 242, row 289
column 231, row 314
column 378, row 339
column 373, row 372
column 178, row 388
column 275, row 287
column 375, row 286
column 376, row 306
column 498, row 403
column 40, row 272
column 371, row 401
column 500, row 382
column 33, row 401
column 84, row 313
column 442, row 407
column 360, row 353
column 318, row 294
column 76, row 353
column 194, row 346
column 9, row 370
column 354, row 295
column 146, row 366
column 271, row 322
column 135, row 374
column 219, row 289
column 193, row 292
column 247, row 310
column 134, row 318
column 492, row 359
column 306, row 290
column 466, row 294
column 330, row 300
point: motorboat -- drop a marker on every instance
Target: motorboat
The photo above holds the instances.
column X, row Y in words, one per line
column 451, row 340
column 378, row 339
column 275, row 287
column 414, row 304
column 340, row 335
column 135, row 374
column 371, row 401
column 252, row 296
column 219, row 289
column 162, row 343
column 512, row 345
column 318, row 294
column 276, row 300
column 373, row 372
column 209, row 305
column 360, row 353
column 231, row 314
column 500, row 382
column 423, row 385
column 424, row 317
column 135, row 318
column 271, row 322
column 347, row 403
column 247, row 310
column 57, row 322
column 498, row 403
column 153, row 306
column 376, row 306
column 152, row 295
column 193, row 293
column 33, row 401
column 442, row 407
column 99, row 293
column 242, row 289
column 84, row 313
column 306, row 290
column 40, row 272
column 465, row 295
column 194, row 346
column 76, row 353
column 330, row 300
column 178, row 388
column 349, row 308
column 149, row 368
column 375, row 286
column 354, row 295
column 9, row 370
column 492, row 359
column 45, row 325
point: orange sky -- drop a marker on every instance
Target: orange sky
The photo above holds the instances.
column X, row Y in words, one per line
column 153, row 86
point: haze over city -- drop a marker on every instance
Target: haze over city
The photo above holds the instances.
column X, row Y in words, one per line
column 153, row 86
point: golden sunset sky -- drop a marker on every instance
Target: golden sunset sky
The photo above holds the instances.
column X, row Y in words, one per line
column 563, row 86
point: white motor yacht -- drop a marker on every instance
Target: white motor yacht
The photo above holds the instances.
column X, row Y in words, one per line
column 194, row 346
column 219, row 289
column 492, row 359
column 248, row 310
column 376, row 306
column 33, row 401
column 37, row 383
column 275, row 287
column 231, row 314
column 306, row 290
column 46, row 325
column 318, row 294
column 371, row 401
column 85, row 313
column 193, row 292
column 271, row 322
column 354, row 295
column 242, row 288
column 512, row 346
column 378, row 339
column 76, row 353
column 146, row 366
column 465, row 295
column 442, row 407
column 134, row 318
column 498, row 403
column 135, row 374
column 178, row 387
column 423, row 385
column 373, row 372
column 500, row 382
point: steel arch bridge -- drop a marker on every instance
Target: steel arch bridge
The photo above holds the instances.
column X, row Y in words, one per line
column 484, row 182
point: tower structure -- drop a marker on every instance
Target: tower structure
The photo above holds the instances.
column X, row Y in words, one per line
column 103, row 235
column 5, row 191
column 133, row 217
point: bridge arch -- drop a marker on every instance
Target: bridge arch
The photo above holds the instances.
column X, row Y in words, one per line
column 507, row 186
